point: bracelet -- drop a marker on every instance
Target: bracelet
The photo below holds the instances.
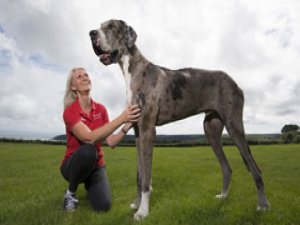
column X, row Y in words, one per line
column 125, row 132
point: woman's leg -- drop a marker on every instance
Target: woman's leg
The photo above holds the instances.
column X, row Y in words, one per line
column 79, row 166
column 76, row 169
column 99, row 193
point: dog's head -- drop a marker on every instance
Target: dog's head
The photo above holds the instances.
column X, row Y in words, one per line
column 113, row 39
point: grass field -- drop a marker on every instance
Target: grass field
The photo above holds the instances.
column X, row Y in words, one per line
column 185, row 181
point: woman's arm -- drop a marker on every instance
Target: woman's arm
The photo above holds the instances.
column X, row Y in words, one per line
column 114, row 139
column 86, row 135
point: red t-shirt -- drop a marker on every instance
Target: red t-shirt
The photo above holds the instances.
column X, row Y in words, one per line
column 74, row 114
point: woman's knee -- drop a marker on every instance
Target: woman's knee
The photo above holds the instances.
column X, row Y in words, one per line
column 102, row 206
column 99, row 192
column 100, row 200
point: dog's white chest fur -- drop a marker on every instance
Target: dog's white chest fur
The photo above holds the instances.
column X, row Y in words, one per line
column 127, row 76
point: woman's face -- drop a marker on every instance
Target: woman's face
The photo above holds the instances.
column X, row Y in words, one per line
column 81, row 81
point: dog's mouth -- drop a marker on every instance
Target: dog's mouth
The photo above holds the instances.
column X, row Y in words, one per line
column 105, row 57
column 108, row 58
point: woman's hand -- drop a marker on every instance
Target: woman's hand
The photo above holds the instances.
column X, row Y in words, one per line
column 131, row 114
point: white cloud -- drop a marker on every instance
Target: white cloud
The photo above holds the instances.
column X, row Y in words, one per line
column 256, row 42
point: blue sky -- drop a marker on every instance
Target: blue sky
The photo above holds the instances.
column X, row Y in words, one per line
column 256, row 42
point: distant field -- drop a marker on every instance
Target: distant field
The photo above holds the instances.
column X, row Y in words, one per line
column 185, row 181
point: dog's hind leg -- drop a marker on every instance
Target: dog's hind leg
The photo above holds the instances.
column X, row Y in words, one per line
column 236, row 131
column 213, row 127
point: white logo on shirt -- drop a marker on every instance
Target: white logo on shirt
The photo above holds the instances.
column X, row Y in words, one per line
column 97, row 116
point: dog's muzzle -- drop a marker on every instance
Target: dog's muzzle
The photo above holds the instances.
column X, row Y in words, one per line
column 105, row 57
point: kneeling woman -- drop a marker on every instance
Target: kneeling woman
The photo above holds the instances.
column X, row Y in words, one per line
column 87, row 124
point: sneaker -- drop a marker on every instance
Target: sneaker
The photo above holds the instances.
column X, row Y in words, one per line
column 70, row 202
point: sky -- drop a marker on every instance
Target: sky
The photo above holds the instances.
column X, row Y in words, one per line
column 257, row 42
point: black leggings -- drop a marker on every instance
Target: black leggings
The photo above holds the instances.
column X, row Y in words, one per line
column 82, row 167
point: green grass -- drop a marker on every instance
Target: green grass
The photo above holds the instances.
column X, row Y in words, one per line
column 185, row 181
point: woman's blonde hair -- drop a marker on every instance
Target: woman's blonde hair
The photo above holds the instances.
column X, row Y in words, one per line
column 70, row 95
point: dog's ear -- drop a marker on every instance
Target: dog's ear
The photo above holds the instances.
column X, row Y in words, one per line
column 131, row 36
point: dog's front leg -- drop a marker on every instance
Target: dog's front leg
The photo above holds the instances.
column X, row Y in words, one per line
column 145, row 150
column 136, row 203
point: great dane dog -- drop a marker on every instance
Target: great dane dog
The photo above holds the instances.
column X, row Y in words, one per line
column 166, row 95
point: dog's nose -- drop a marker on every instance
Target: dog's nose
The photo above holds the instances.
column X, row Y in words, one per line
column 93, row 33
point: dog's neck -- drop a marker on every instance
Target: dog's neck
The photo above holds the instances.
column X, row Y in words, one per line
column 130, row 64
column 127, row 76
column 132, row 60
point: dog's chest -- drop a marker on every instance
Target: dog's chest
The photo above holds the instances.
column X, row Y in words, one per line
column 127, row 77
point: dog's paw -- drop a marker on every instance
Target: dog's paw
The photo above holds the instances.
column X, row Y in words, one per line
column 140, row 215
column 263, row 207
column 134, row 205
column 221, row 196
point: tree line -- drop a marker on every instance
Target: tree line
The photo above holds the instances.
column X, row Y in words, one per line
column 290, row 133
